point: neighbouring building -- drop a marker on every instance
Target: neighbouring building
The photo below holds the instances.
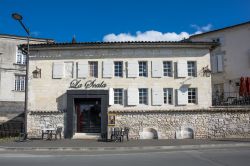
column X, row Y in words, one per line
column 12, row 74
column 229, row 62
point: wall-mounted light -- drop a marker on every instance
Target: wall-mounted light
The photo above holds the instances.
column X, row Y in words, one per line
column 206, row 71
column 37, row 73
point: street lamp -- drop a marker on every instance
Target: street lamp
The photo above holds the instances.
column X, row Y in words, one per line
column 19, row 18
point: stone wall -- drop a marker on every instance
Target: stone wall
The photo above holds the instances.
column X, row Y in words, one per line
column 50, row 119
column 205, row 124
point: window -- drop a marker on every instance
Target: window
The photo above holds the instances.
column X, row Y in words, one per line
column 192, row 95
column 118, row 66
column 167, row 68
column 118, row 96
column 168, row 95
column 93, row 69
column 20, row 57
column 68, row 69
column 143, row 96
column 19, row 83
column 143, row 70
column 191, row 68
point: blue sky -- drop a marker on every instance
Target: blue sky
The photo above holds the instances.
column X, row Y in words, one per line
column 98, row 20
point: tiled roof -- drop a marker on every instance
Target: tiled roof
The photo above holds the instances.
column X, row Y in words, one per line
column 183, row 42
column 23, row 37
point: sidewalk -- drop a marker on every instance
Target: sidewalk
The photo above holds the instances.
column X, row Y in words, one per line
column 94, row 145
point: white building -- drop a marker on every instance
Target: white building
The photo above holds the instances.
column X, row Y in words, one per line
column 142, row 85
column 12, row 74
column 231, row 60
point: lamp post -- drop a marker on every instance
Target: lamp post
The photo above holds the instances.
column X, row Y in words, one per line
column 19, row 18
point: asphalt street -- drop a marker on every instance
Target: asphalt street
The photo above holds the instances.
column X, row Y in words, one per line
column 209, row 157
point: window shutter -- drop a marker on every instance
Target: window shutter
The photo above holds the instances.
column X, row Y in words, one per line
column 82, row 69
column 133, row 96
column 111, row 96
column 68, row 69
column 58, row 70
column 220, row 63
column 182, row 69
column 107, row 69
column 157, row 68
column 157, row 96
column 214, row 64
column 133, row 69
column 182, row 96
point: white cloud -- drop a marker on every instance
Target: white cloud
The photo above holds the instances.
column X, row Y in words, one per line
column 155, row 35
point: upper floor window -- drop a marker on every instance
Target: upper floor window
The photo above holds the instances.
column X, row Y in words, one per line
column 191, row 67
column 143, row 69
column 143, row 96
column 118, row 69
column 168, row 95
column 167, row 68
column 20, row 57
column 19, row 83
column 192, row 95
column 118, row 96
column 93, row 69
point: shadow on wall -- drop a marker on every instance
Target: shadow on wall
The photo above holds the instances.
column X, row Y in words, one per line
column 149, row 133
column 61, row 107
column 12, row 127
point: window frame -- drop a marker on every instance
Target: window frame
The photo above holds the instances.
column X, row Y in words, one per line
column 192, row 71
column 118, row 96
column 168, row 97
column 192, row 96
column 92, row 69
column 20, row 57
column 166, row 72
column 143, row 70
column 119, row 69
column 19, row 84
column 143, row 100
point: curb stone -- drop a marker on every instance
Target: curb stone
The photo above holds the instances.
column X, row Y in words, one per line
column 136, row 148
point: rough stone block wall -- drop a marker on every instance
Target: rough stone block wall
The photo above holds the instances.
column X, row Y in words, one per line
column 205, row 124
column 50, row 119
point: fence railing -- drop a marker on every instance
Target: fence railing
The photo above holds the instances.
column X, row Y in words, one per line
column 230, row 99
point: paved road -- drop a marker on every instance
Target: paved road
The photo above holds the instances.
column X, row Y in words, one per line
column 210, row 157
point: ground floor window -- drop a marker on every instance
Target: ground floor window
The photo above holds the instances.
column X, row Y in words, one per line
column 168, row 95
column 192, row 95
column 118, row 96
column 143, row 96
column 19, row 83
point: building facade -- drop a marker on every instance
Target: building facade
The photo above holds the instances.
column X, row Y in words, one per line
column 12, row 75
column 147, row 86
column 231, row 60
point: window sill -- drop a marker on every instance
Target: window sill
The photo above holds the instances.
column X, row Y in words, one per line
column 19, row 64
column 18, row 91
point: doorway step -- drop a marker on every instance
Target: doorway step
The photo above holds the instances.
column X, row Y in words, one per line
column 94, row 136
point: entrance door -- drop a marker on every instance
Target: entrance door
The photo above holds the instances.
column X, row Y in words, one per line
column 88, row 112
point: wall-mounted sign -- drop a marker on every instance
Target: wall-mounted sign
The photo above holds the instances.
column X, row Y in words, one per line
column 88, row 84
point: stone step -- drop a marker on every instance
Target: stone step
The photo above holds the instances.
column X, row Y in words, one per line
column 94, row 136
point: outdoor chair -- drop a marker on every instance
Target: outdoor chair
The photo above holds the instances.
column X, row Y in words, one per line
column 58, row 131
column 125, row 133
column 116, row 134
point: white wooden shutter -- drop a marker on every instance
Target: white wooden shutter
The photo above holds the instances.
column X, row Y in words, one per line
column 220, row 63
column 111, row 96
column 108, row 69
column 157, row 68
column 68, row 69
column 214, row 64
column 58, row 70
column 133, row 69
column 157, row 96
column 182, row 94
column 133, row 96
column 182, row 69
column 82, row 69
